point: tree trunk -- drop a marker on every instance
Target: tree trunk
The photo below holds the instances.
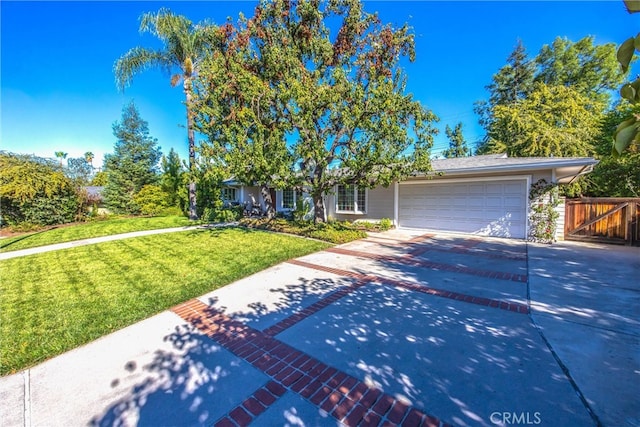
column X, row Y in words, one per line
column 318, row 209
column 269, row 203
column 193, row 214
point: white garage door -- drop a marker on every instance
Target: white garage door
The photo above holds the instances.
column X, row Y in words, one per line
column 488, row 208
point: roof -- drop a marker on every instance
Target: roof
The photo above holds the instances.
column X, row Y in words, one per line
column 567, row 168
column 94, row 191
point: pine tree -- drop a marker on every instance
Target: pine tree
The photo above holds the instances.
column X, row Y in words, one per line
column 133, row 164
column 510, row 84
column 173, row 180
column 457, row 144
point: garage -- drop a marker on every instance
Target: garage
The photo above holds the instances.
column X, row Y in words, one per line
column 489, row 208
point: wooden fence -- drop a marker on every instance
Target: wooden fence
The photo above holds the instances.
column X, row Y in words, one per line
column 608, row 220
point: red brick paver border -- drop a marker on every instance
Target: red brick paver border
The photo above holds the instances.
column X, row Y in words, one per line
column 342, row 396
column 487, row 302
column 412, row 261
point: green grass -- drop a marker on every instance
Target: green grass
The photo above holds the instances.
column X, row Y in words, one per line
column 56, row 301
column 88, row 230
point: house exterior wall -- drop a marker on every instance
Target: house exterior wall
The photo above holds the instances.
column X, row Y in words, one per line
column 560, row 209
column 379, row 205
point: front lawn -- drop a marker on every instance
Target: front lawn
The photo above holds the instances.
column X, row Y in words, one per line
column 56, row 301
column 64, row 233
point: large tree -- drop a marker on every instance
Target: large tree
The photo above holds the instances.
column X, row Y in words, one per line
column 591, row 70
column 184, row 45
column 242, row 111
column 627, row 133
column 511, row 83
column 457, row 144
column 134, row 162
column 336, row 100
column 565, row 78
column 615, row 175
column 550, row 121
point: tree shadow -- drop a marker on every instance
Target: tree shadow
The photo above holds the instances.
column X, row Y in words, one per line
column 457, row 361
column 194, row 382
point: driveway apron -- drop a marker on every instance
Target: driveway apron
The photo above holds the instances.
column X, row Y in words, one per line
column 403, row 328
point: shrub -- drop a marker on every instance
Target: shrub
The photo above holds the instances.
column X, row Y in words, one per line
column 219, row 214
column 334, row 232
column 35, row 190
column 151, row 199
column 385, row 224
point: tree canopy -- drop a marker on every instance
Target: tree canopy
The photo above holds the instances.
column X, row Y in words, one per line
column 555, row 105
column 591, row 70
column 328, row 107
column 551, row 121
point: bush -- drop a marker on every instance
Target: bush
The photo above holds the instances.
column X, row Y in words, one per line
column 385, row 224
column 36, row 191
column 151, row 199
column 57, row 209
column 171, row 211
column 230, row 214
column 371, row 225
column 334, row 232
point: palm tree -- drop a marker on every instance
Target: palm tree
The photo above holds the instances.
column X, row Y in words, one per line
column 185, row 47
column 88, row 156
column 61, row 155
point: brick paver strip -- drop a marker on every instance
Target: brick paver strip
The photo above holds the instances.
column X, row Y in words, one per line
column 412, row 261
column 336, row 394
column 487, row 302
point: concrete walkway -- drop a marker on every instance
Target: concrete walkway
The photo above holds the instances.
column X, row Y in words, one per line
column 398, row 329
column 95, row 240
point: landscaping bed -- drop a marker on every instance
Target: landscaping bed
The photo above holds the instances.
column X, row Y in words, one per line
column 333, row 232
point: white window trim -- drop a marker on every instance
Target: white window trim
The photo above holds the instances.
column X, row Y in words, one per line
column 356, row 210
column 295, row 199
column 225, row 189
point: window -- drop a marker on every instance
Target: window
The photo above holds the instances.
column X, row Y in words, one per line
column 291, row 198
column 288, row 199
column 229, row 194
column 351, row 199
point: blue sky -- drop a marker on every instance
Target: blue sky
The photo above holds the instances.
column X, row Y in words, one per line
column 57, row 89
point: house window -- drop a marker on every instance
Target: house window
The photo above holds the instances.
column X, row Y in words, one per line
column 351, row 199
column 291, row 198
column 229, row 194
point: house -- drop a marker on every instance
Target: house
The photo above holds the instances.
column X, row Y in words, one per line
column 484, row 195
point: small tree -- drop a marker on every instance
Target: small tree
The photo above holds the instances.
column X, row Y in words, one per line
column 89, row 156
column 133, row 164
column 174, row 180
column 457, row 144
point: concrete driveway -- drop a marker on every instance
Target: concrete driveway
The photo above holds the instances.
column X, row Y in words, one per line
column 403, row 328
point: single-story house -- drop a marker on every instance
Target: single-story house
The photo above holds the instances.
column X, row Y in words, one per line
column 484, row 195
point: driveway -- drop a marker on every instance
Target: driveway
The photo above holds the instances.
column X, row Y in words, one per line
column 401, row 328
